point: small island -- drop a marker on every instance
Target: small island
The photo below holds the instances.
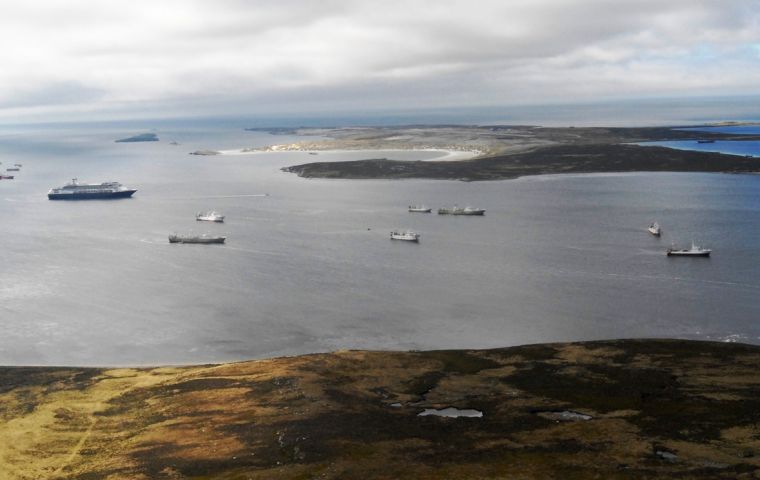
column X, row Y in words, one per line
column 143, row 137
column 601, row 409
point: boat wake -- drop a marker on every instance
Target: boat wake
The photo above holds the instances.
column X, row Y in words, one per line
column 236, row 196
column 683, row 279
column 663, row 278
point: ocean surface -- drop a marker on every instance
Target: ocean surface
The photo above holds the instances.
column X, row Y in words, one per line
column 735, row 147
column 308, row 265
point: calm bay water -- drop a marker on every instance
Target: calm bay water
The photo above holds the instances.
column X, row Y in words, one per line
column 309, row 267
column 733, row 147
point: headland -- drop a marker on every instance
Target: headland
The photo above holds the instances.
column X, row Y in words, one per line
column 504, row 152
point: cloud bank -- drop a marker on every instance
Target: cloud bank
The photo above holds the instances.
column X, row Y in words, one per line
column 192, row 57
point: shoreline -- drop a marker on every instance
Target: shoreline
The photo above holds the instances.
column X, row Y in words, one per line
column 640, row 408
column 449, row 155
column 506, row 152
column 502, row 152
column 560, row 159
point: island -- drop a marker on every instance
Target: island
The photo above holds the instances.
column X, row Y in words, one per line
column 650, row 408
column 143, row 137
column 504, row 152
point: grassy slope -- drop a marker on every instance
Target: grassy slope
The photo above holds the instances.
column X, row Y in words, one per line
column 329, row 415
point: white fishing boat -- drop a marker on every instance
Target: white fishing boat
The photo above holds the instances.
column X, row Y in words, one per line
column 694, row 251
column 408, row 236
column 655, row 229
column 420, row 209
column 211, row 216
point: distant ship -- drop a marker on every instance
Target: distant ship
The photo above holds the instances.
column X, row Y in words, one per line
column 420, row 209
column 90, row 191
column 461, row 211
column 12, row 169
column 211, row 216
column 407, row 236
column 202, row 239
column 694, row 251
column 705, row 141
column 6, row 177
column 655, row 229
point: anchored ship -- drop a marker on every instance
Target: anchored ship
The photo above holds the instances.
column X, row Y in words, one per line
column 211, row 216
column 203, row 239
column 461, row 211
column 90, row 191
column 420, row 209
column 694, row 251
column 407, row 236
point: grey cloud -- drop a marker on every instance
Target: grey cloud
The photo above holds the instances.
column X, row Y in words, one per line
column 51, row 94
column 303, row 54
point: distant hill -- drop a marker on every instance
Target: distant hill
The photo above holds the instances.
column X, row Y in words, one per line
column 143, row 137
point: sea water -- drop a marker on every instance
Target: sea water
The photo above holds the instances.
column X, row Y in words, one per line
column 308, row 265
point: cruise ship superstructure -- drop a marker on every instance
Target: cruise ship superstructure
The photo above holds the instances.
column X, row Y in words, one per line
column 90, row 191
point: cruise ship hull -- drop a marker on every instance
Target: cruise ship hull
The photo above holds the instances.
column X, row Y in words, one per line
column 91, row 195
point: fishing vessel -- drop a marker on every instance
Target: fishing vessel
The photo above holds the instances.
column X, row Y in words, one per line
column 461, row 211
column 408, row 236
column 694, row 251
column 202, row 239
column 420, row 209
column 90, row 191
column 655, row 229
column 211, row 216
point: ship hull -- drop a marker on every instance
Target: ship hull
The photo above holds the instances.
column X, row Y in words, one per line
column 91, row 195
column 200, row 241
column 459, row 212
column 688, row 254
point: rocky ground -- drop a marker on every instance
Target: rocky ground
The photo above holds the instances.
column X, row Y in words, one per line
column 611, row 409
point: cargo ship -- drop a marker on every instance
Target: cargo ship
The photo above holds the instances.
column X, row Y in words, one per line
column 201, row 239
column 461, row 211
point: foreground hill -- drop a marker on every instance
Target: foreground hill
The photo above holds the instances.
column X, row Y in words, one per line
column 612, row 409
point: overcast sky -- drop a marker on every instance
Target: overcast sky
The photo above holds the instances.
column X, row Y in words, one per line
column 111, row 58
